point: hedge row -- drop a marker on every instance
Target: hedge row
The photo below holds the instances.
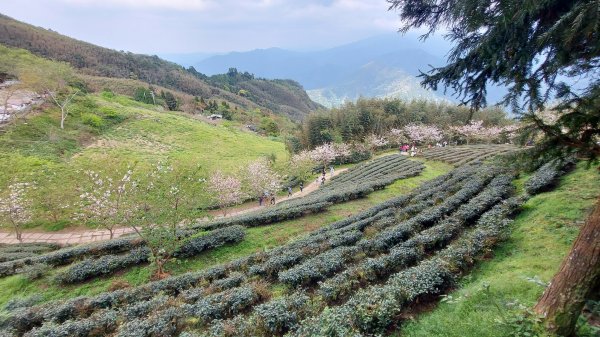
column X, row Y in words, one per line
column 545, row 177
column 373, row 310
column 67, row 255
column 166, row 305
column 33, row 247
column 284, row 314
column 108, row 264
column 461, row 155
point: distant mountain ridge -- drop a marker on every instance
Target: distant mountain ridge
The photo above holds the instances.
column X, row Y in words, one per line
column 289, row 99
column 380, row 66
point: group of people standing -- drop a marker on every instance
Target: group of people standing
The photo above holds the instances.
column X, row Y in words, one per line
column 409, row 150
column 269, row 198
column 266, row 198
column 412, row 150
column 321, row 180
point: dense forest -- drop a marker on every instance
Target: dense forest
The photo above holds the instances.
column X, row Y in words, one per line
column 352, row 122
column 281, row 97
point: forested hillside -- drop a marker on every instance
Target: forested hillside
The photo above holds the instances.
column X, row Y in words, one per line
column 286, row 96
column 90, row 59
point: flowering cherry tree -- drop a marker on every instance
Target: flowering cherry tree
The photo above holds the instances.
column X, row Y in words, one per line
column 226, row 190
column 260, row 178
column 15, row 207
column 103, row 200
column 511, row 131
column 470, row 131
column 420, row 133
column 324, row 154
column 397, row 137
column 376, row 141
column 301, row 165
column 165, row 198
column 329, row 152
column 342, row 150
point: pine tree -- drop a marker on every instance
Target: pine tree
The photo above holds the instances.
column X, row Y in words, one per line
column 538, row 49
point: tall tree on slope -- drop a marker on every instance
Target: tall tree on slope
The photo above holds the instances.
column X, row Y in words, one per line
column 538, row 49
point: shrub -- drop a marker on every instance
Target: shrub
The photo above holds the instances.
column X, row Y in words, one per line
column 18, row 302
column 92, row 120
column 217, row 238
column 546, row 176
column 103, row 265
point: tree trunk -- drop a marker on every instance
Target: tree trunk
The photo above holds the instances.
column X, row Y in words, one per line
column 62, row 117
column 579, row 273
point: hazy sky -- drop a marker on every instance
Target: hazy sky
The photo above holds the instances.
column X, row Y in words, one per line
column 184, row 26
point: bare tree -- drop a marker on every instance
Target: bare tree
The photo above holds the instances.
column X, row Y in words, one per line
column 63, row 104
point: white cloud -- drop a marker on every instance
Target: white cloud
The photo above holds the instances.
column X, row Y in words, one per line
column 146, row 4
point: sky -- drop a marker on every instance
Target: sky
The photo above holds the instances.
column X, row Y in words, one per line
column 208, row 26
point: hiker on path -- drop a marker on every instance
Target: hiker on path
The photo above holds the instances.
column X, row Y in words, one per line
column 331, row 170
column 266, row 197
column 273, row 199
column 301, row 186
column 289, row 191
column 260, row 200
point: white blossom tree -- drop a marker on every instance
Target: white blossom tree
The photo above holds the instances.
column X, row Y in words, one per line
column 376, row 141
column 342, row 150
column 421, row 133
column 324, row 154
column 103, row 199
column 397, row 137
column 302, row 165
column 471, row 131
column 225, row 190
column 166, row 198
column 260, row 178
column 15, row 207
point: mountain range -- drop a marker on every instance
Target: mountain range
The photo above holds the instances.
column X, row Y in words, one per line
column 380, row 66
column 383, row 66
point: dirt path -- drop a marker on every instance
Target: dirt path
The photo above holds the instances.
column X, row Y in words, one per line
column 86, row 236
column 252, row 206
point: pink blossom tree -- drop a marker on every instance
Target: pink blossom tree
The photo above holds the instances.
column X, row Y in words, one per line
column 301, row 165
column 376, row 141
column 510, row 132
column 421, row 133
column 397, row 137
column 15, row 207
column 323, row 154
column 470, row 131
column 225, row 190
column 103, row 199
column 260, row 178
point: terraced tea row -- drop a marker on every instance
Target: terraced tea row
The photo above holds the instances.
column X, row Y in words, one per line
column 221, row 299
column 108, row 257
column 356, row 183
column 467, row 154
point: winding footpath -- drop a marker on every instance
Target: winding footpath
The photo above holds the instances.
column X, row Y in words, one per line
column 86, row 236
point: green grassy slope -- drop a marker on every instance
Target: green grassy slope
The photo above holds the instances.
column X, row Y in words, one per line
column 490, row 301
column 106, row 131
